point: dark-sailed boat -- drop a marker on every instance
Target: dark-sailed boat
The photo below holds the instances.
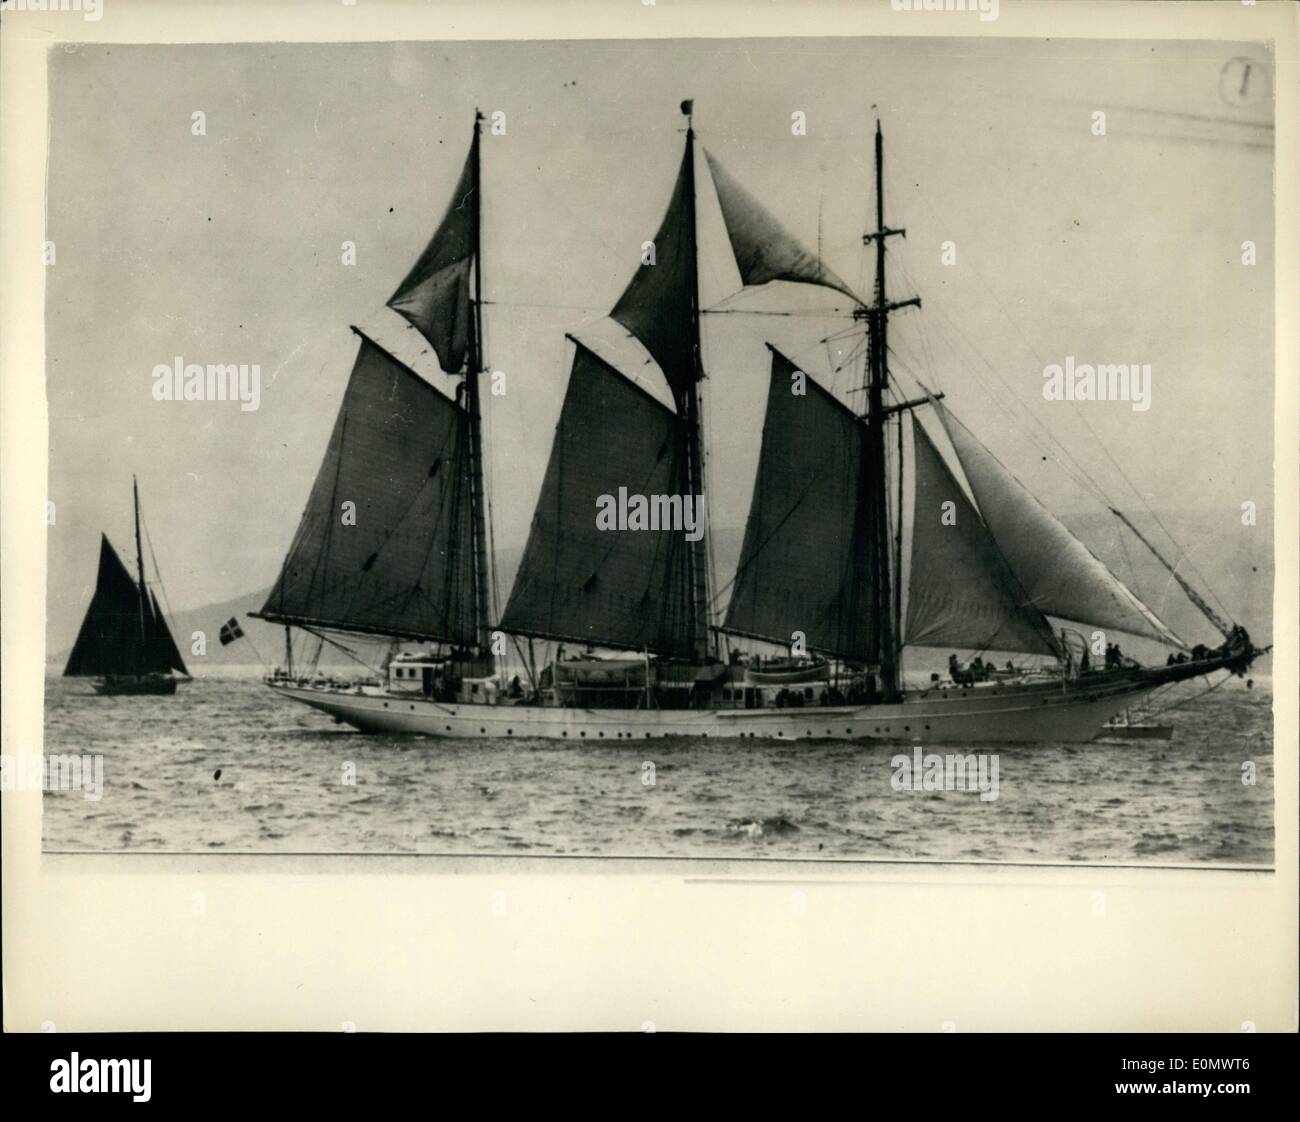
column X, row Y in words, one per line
column 838, row 533
column 124, row 640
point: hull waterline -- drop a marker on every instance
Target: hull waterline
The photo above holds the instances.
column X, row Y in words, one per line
column 1027, row 713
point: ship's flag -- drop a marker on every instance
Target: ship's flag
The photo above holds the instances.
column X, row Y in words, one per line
column 230, row 631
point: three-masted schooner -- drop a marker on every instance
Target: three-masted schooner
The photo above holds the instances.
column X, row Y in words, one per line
column 822, row 568
column 124, row 641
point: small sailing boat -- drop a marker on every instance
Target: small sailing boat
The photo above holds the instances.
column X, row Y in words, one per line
column 848, row 513
column 124, row 640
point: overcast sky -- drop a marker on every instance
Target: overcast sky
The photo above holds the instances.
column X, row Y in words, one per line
column 226, row 248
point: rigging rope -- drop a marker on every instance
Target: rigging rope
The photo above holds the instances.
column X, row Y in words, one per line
column 1079, row 413
column 1187, row 701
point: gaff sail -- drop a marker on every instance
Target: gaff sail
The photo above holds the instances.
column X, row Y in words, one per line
column 803, row 562
column 622, row 588
column 384, row 545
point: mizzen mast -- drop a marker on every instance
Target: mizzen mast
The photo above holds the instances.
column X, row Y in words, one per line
column 884, row 607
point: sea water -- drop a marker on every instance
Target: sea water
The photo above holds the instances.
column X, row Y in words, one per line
column 226, row 766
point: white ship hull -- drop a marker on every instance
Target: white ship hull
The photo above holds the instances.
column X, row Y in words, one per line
column 1024, row 713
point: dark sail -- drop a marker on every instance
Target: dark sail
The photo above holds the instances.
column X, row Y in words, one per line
column 625, row 588
column 802, row 566
column 658, row 306
column 399, row 455
column 1061, row 576
column 764, row 250
column 163, row 647
column 962, row 592
column 111, row 640
column 436, row 295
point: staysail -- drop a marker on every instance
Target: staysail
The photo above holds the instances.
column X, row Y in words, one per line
column 802, row 565
column 436, row 294
column 384, row 545
column 1061, row 576
column 962, row 593
column 164, row 646
column 122, row 633
column 764, row 250
column 624, row 587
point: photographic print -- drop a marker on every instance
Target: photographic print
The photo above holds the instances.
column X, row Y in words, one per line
column 844, row 449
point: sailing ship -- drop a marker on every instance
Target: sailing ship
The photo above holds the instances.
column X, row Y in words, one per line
column 124, row 641
column 833, row 537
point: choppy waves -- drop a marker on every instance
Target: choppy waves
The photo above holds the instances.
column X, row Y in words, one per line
column 228, row 767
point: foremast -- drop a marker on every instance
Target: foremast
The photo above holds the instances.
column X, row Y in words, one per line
column 474, row 369
column 404, row 469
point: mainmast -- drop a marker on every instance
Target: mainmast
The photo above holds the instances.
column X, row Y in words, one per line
column 474, row 368
column 139, row 564
column 883, row 606
column 689, row 409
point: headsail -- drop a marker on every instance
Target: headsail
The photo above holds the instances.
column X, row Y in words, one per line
column 121, row 634
column 397, row 558
column 626, row 588
column 764, row 250
column 164, row 647
column 802, row 566
column 962, row 593
column 1062, row 577
column 436, row 294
